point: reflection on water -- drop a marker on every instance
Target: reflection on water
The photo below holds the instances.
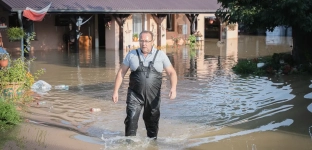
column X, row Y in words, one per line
column 213, row 104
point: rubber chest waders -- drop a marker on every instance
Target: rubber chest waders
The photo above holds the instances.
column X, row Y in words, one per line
column 144, row 91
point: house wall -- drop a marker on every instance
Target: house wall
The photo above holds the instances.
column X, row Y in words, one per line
column 4, row 14
column 112, row 36
column 150, row 25
column 128, row 34
column 179, row 19
column 49, row 36
column 226, row 33
column 230, row 34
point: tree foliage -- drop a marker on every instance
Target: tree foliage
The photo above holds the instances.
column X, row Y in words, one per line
column 268, row 13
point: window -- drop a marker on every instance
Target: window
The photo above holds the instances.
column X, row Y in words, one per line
column 137, row 23
column 13, row 21
column 170, row 22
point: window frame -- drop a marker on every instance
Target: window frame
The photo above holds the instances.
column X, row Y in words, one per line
column 137, row 23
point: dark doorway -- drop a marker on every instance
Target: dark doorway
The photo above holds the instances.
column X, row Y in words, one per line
column 101, row 30
column 212, row 28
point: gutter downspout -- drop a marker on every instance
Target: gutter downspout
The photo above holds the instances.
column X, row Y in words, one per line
column 22, row 39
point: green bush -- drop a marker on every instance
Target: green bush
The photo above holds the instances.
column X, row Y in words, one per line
column 15, row 33
column 244, row 66
column 9, row 116
column 278, row 63
column 192, row 40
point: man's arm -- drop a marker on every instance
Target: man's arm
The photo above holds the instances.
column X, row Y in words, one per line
column 119, row 77
column 173, row 81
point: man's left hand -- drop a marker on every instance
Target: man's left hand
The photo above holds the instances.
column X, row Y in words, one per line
column 172, row 94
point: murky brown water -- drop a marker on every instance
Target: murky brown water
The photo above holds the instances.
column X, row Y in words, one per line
column 214, row 108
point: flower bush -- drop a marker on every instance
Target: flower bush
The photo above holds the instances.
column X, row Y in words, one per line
column 16, row 79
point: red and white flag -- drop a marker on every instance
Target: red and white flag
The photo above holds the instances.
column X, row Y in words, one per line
column 36, row 15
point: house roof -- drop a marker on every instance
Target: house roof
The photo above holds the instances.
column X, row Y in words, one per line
column 116, row 6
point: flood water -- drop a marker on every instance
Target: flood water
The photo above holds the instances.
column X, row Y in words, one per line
column 214, row 108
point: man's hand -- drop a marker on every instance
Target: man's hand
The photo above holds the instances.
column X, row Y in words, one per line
column 172, row 94
column 115, row 97
column 173, row 81
column 119, row 77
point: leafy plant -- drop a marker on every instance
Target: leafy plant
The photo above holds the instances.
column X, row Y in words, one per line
column 231, row 26
column 192, row 40
column 15, row 73
column 9, row 116
column 28, row 39
column 4, row 56
column 135, row 35
column 16, row 79
column 15, row 33
column 245, row 66
column 176, row 38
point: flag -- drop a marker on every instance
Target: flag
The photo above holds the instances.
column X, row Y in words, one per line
column 36, row 15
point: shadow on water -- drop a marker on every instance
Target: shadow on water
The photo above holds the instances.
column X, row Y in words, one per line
column 214, row 108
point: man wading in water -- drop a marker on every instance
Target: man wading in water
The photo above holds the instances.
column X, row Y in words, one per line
column 146, row 65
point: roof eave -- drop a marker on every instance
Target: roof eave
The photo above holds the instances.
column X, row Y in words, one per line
column 127, row 11
column 5, row 6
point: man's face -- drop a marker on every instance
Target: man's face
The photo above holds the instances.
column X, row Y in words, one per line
column 146, row 43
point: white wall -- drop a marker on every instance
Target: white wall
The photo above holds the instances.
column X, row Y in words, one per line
column 112, row 36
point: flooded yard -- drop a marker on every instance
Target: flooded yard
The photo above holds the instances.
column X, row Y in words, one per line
column 214, row 108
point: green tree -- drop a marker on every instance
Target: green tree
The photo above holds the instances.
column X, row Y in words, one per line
column 267, row 14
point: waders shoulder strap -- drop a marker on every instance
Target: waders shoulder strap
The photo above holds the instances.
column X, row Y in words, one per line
column 141, row 63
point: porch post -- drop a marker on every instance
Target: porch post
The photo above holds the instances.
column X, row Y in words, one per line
column 120, row 19
column 145, row 22
column 22, row 39
column 96, row 34
column 220, row 33
column 192, row 18
column 158, row 19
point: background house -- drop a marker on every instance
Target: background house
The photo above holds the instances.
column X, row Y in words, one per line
column 113, row 23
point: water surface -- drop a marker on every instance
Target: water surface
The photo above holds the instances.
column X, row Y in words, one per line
column 214, row 108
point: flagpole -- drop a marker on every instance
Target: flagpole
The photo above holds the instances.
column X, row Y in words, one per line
column 22, row 39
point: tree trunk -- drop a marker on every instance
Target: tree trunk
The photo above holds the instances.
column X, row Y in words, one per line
column 302, row 48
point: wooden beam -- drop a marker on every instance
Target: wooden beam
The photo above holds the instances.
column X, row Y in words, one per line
column 120, row 19
column 192, row 18
column 159, row 19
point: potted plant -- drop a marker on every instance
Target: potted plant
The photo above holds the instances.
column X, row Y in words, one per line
column 177, row 40
column 135, row 37
column 16, row 78
column 4, row 59
column 15, row 33
column 231, row 27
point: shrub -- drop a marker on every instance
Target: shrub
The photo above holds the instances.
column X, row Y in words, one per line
column 245, row 66
column 16, row 81
column 15, row 33
column 9, row 116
